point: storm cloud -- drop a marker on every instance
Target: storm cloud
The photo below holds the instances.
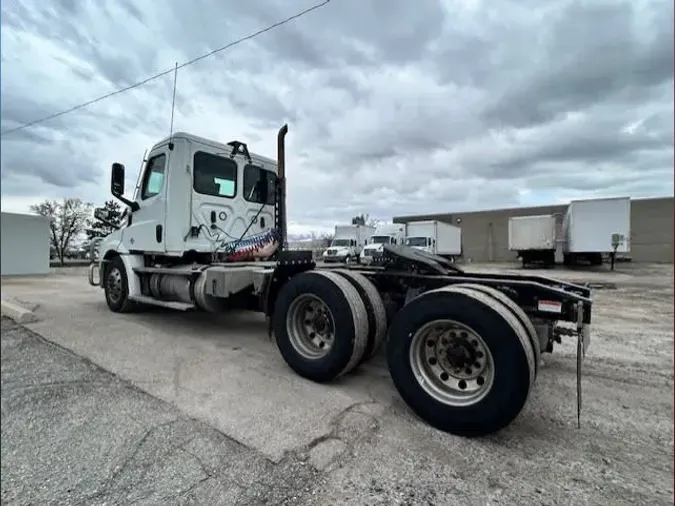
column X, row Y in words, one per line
column 394, row 107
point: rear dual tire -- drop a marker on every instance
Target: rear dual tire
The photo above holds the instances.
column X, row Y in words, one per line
column 326, row 323
column 462, row 359
column 476, row 399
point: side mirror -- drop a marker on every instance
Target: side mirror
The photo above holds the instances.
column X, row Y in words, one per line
column 117, row 179
column 101, row 213
column 117, row 186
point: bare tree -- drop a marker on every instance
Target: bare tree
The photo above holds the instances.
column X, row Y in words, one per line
column 365, row 219
column 326, row 239
column 68, row 219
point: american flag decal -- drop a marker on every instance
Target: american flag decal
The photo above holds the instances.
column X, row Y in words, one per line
column 261, row 245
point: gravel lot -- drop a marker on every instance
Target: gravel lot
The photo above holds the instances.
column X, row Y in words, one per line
column 217, row 381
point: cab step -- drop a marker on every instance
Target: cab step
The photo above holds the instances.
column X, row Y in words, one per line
column 180, row 306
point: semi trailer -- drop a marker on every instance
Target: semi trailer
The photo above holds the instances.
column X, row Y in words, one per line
column 594, row 228
column 207, row 232
column 534, row 238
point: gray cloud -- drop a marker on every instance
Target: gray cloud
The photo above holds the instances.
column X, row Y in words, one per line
column 394, row 107
column 580, row 64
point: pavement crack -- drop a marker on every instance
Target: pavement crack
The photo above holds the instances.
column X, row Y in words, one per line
column 109, row 482
column 207, row 472
column 13, row 386
column 347, row 436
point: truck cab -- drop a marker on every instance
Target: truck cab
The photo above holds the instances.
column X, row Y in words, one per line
column 195, row 196
column 384, row 234
column 347, row 243
column 342, row 249
column 423, row 243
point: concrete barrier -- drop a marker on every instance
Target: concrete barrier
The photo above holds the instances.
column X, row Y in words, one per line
column 16, row 312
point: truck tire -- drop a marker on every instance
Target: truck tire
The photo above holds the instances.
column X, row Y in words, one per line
column 320, row 325
column 467, row 398
column 116, row 286
column 517, row 311
column 375, row 310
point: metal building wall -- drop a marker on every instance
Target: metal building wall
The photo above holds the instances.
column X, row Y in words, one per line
column 24, row 244
column 485, row 233
column 651, row 230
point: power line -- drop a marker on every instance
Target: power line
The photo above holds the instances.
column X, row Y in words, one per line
column 166, row 72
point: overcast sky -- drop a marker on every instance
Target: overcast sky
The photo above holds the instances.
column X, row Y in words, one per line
column 394, row 106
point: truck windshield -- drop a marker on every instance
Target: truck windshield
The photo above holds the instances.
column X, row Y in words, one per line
column 380, row 239
column 416, row 241
column 340, row 242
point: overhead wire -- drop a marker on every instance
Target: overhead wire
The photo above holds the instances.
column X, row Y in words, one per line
column 166, row 72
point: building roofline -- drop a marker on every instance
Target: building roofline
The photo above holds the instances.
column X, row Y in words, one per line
column 436, row 215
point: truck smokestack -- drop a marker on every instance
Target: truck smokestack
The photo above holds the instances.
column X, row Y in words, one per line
column 281, row 152
column 281, row 174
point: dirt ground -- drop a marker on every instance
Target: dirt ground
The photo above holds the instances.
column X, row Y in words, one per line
column 362, row 443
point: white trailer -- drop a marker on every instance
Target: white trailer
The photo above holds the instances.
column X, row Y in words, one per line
column 436, row 237
column 597, row 227
column 385, row 233
column 347, row 243
column 533, row 238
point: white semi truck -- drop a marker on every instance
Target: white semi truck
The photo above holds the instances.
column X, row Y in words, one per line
column 207, row 232
column 594, row 228
column 347, row 243
column 534, row 238
column 435, row 237
column 385, row 233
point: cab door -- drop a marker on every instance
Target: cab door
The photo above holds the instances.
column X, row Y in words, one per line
column 146, row 232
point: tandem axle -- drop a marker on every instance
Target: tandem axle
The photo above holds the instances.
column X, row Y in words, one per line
column 463, row 349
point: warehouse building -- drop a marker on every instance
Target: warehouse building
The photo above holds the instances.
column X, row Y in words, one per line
column 24, row 241
column 485, row 233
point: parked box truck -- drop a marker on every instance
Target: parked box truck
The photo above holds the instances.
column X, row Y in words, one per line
column 435, row 237
column 593, row 228
column 533, row 238
column 385, row 233
column 347, row 243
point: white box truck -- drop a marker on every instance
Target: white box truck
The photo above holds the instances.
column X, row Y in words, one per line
column 347, row 243
column 436, row 237
column 593, row 228
column 385, row 233
column 533, row 238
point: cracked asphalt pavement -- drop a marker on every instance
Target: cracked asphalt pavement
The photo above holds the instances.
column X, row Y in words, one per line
column 73, row 433
column 165, row 407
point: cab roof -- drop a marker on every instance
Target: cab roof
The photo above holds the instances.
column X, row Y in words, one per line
column 220, row 146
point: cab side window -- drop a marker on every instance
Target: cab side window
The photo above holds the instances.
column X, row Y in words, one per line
column 214, row 175
column 153, row 180
column 253, row 175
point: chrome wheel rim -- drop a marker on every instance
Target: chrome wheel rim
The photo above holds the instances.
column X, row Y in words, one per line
column 310, row 326
column 451, row 363
column 114, row 284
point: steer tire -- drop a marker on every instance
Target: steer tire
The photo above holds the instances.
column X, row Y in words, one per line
column 377, row 314
column 117, row 302
column 503, row 337
column 517, row 312
column 349, row 320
